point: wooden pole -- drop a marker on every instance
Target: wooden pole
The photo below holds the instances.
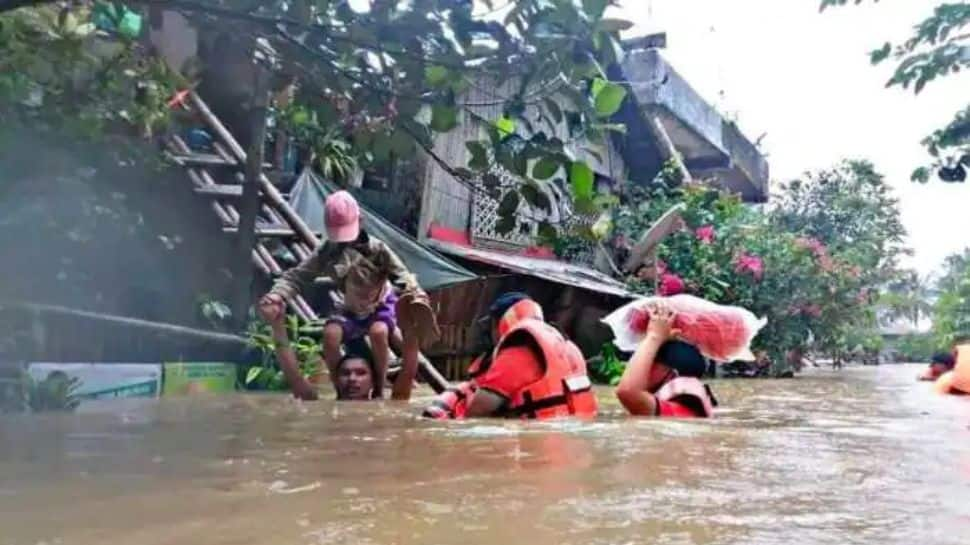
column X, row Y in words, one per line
column 158, row 327
column 270, row 192
column 660, row 229
column 670, row 150
column 249, row 204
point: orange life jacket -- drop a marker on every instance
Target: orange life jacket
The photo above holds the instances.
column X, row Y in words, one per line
column 956, row 381
column 564, row 389
column 691, row 391
column 452, row 403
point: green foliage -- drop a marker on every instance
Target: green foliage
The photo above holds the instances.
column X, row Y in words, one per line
column 215, row 312
column 608, row 367
column 951, row 310
column 906, row 297
column 333, row 154
column 938, row 48
column 917, row 348
column 58, row 70
column 371, row 84
column 303, row 340
column 851, row 209
column 607, row 97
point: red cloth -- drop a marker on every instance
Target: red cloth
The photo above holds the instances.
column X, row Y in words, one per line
column 672, row 409
column 513, row 369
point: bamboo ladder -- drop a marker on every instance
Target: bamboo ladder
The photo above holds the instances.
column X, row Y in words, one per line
column 276, row 219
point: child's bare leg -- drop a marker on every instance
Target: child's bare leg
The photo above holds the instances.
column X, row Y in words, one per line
column 409, row 369
column 333, row 337
column 380, row 338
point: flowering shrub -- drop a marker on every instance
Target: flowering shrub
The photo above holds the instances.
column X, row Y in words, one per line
column 811, row 265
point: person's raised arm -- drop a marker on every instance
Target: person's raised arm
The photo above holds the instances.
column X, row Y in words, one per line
column 484, row 403
column 632, row 389
column 290, row 365
column 294, row 281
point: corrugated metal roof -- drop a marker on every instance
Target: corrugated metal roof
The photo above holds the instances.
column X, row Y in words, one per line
column 546, row 269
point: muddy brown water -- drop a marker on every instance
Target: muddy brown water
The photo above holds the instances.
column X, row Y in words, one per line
column 865, row 455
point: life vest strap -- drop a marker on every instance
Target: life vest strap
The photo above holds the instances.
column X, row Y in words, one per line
column 459, row 393
column 530, row 406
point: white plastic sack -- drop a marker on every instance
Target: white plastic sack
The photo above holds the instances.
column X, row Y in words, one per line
column 721, row 333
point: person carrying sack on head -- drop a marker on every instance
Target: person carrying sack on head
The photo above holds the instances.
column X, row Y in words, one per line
column 663, row 376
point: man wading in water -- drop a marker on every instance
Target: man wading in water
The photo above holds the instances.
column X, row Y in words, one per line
column 528, row 370
column 375, row 292
column 355, row 372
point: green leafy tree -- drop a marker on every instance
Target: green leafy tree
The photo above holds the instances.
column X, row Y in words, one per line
column 951, row 310
column 939, row 47
column 59, row 72
column 852, row 211
column 384, row 79
column 908, row 298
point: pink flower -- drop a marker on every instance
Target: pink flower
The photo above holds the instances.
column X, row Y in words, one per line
column 661, row 266
column 750, row 264
column 825, row 263
column 671, row 284
column 705, row 234
column 813, row 244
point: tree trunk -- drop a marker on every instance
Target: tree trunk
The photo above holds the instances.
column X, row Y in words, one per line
column 249, row 205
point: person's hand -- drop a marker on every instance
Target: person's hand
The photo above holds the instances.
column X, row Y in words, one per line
column 272, row 308
column 661, row 323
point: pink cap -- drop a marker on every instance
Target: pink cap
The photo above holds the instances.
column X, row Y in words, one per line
column 342, row 216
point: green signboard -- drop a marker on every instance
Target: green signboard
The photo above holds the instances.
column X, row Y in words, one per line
column 198, row 377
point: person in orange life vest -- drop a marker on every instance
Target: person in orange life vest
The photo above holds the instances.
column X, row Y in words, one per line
column 941, row 363
column 957, row 380
column 662, row 377
column 530, row 370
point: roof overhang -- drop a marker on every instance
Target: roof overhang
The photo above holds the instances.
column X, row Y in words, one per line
column 546, row 269
column 711, row 146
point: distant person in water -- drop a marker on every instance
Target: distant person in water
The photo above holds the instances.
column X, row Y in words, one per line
column 663, row 376
column 353, row 375
column 939, row 364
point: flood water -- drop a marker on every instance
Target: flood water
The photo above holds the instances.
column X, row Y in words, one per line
column 863, row 455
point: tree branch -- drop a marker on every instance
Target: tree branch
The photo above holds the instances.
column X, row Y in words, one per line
column 10, row 5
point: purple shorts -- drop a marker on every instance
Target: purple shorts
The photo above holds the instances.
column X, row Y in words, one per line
column 356, row 328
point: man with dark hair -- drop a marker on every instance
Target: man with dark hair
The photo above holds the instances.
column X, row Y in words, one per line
column 354, row 375
column 939, row 364
column 662, row 377
column 528, row 369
